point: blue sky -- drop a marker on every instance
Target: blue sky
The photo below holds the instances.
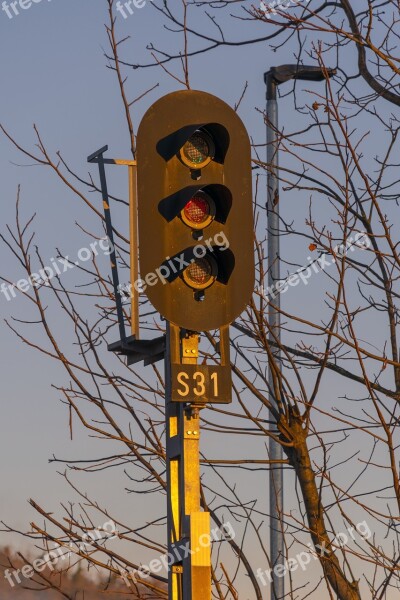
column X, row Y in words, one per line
column 54, row 75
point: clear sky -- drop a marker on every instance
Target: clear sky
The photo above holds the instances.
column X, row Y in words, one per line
column 53, row 74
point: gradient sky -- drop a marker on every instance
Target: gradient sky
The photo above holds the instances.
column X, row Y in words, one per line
column 53, row 74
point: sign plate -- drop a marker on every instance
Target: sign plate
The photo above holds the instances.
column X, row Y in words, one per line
column 201, row 383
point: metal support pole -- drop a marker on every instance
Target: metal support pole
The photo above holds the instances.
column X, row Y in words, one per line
column 133, row 218
column 274, row 77
column 189, row 576
column 277, row 550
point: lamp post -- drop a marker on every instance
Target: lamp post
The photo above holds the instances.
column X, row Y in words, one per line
column 273, row 78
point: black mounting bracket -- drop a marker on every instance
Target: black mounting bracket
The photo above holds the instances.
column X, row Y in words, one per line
column 136, row 350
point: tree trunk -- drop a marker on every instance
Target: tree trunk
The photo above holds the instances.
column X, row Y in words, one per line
column 299, row 458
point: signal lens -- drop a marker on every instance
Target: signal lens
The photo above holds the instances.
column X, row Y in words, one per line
column 198, row 151
column 199, row 212
column 201, row 273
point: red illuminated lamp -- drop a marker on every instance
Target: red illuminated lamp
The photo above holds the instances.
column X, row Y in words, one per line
column 199, row 212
